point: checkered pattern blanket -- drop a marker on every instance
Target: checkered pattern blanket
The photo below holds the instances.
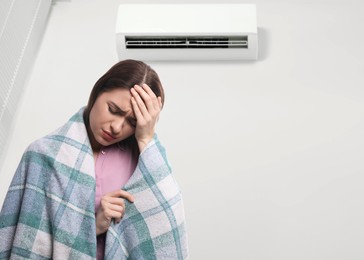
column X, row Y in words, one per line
column 48, row 212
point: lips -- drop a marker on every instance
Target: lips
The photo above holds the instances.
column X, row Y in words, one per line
column 107, row 136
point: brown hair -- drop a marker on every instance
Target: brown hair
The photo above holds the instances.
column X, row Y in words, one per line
column 125, row 74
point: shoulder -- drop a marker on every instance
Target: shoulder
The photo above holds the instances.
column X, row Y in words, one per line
column 40, row 145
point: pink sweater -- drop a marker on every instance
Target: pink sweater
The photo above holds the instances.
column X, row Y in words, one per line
column 113, row 168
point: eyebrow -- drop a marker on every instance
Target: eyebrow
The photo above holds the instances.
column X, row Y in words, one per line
column 120, row 111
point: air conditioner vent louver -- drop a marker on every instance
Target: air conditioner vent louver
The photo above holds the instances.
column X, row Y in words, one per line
column 180, row 42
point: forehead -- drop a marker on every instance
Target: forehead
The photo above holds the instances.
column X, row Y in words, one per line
column 121, row 98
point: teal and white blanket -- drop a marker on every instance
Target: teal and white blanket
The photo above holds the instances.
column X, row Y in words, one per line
column 48, row 212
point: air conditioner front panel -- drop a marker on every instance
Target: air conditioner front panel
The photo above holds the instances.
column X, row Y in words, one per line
column 186, row 32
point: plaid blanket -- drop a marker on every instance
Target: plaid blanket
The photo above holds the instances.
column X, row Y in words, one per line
column 48, row 212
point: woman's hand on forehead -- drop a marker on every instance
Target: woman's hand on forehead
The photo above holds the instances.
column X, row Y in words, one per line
column 146, row 106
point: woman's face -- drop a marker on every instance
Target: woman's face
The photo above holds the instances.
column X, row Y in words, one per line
column 112, row 118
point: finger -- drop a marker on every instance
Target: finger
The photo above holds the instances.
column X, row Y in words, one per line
column 160, row 107
column 126, row 195
column 148, row 96
column 138, row 114
column 114, row 201
column 121, row 193
column 114, row 193
column 154, row 98
column 160, row 103
column 111, row 214
column 117, row 208
column 149, row 91
column 139, row 101
column 118, row 212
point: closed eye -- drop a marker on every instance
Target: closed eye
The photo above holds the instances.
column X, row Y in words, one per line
column 113, row 110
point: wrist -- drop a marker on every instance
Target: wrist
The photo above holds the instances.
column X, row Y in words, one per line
column 142, row 144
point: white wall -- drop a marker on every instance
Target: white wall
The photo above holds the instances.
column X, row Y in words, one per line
column 269, row 154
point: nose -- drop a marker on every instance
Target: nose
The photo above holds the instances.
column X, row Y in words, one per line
column 116, row 125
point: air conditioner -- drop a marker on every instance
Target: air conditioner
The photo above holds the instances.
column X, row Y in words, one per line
column 155, row 32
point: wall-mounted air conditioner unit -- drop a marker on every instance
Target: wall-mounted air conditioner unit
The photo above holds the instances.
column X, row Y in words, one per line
column 187, row 32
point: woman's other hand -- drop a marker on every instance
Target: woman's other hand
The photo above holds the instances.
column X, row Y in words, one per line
column 112, row 205
column 146, row 106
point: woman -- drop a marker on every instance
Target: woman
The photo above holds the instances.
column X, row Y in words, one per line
column 100, row 186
